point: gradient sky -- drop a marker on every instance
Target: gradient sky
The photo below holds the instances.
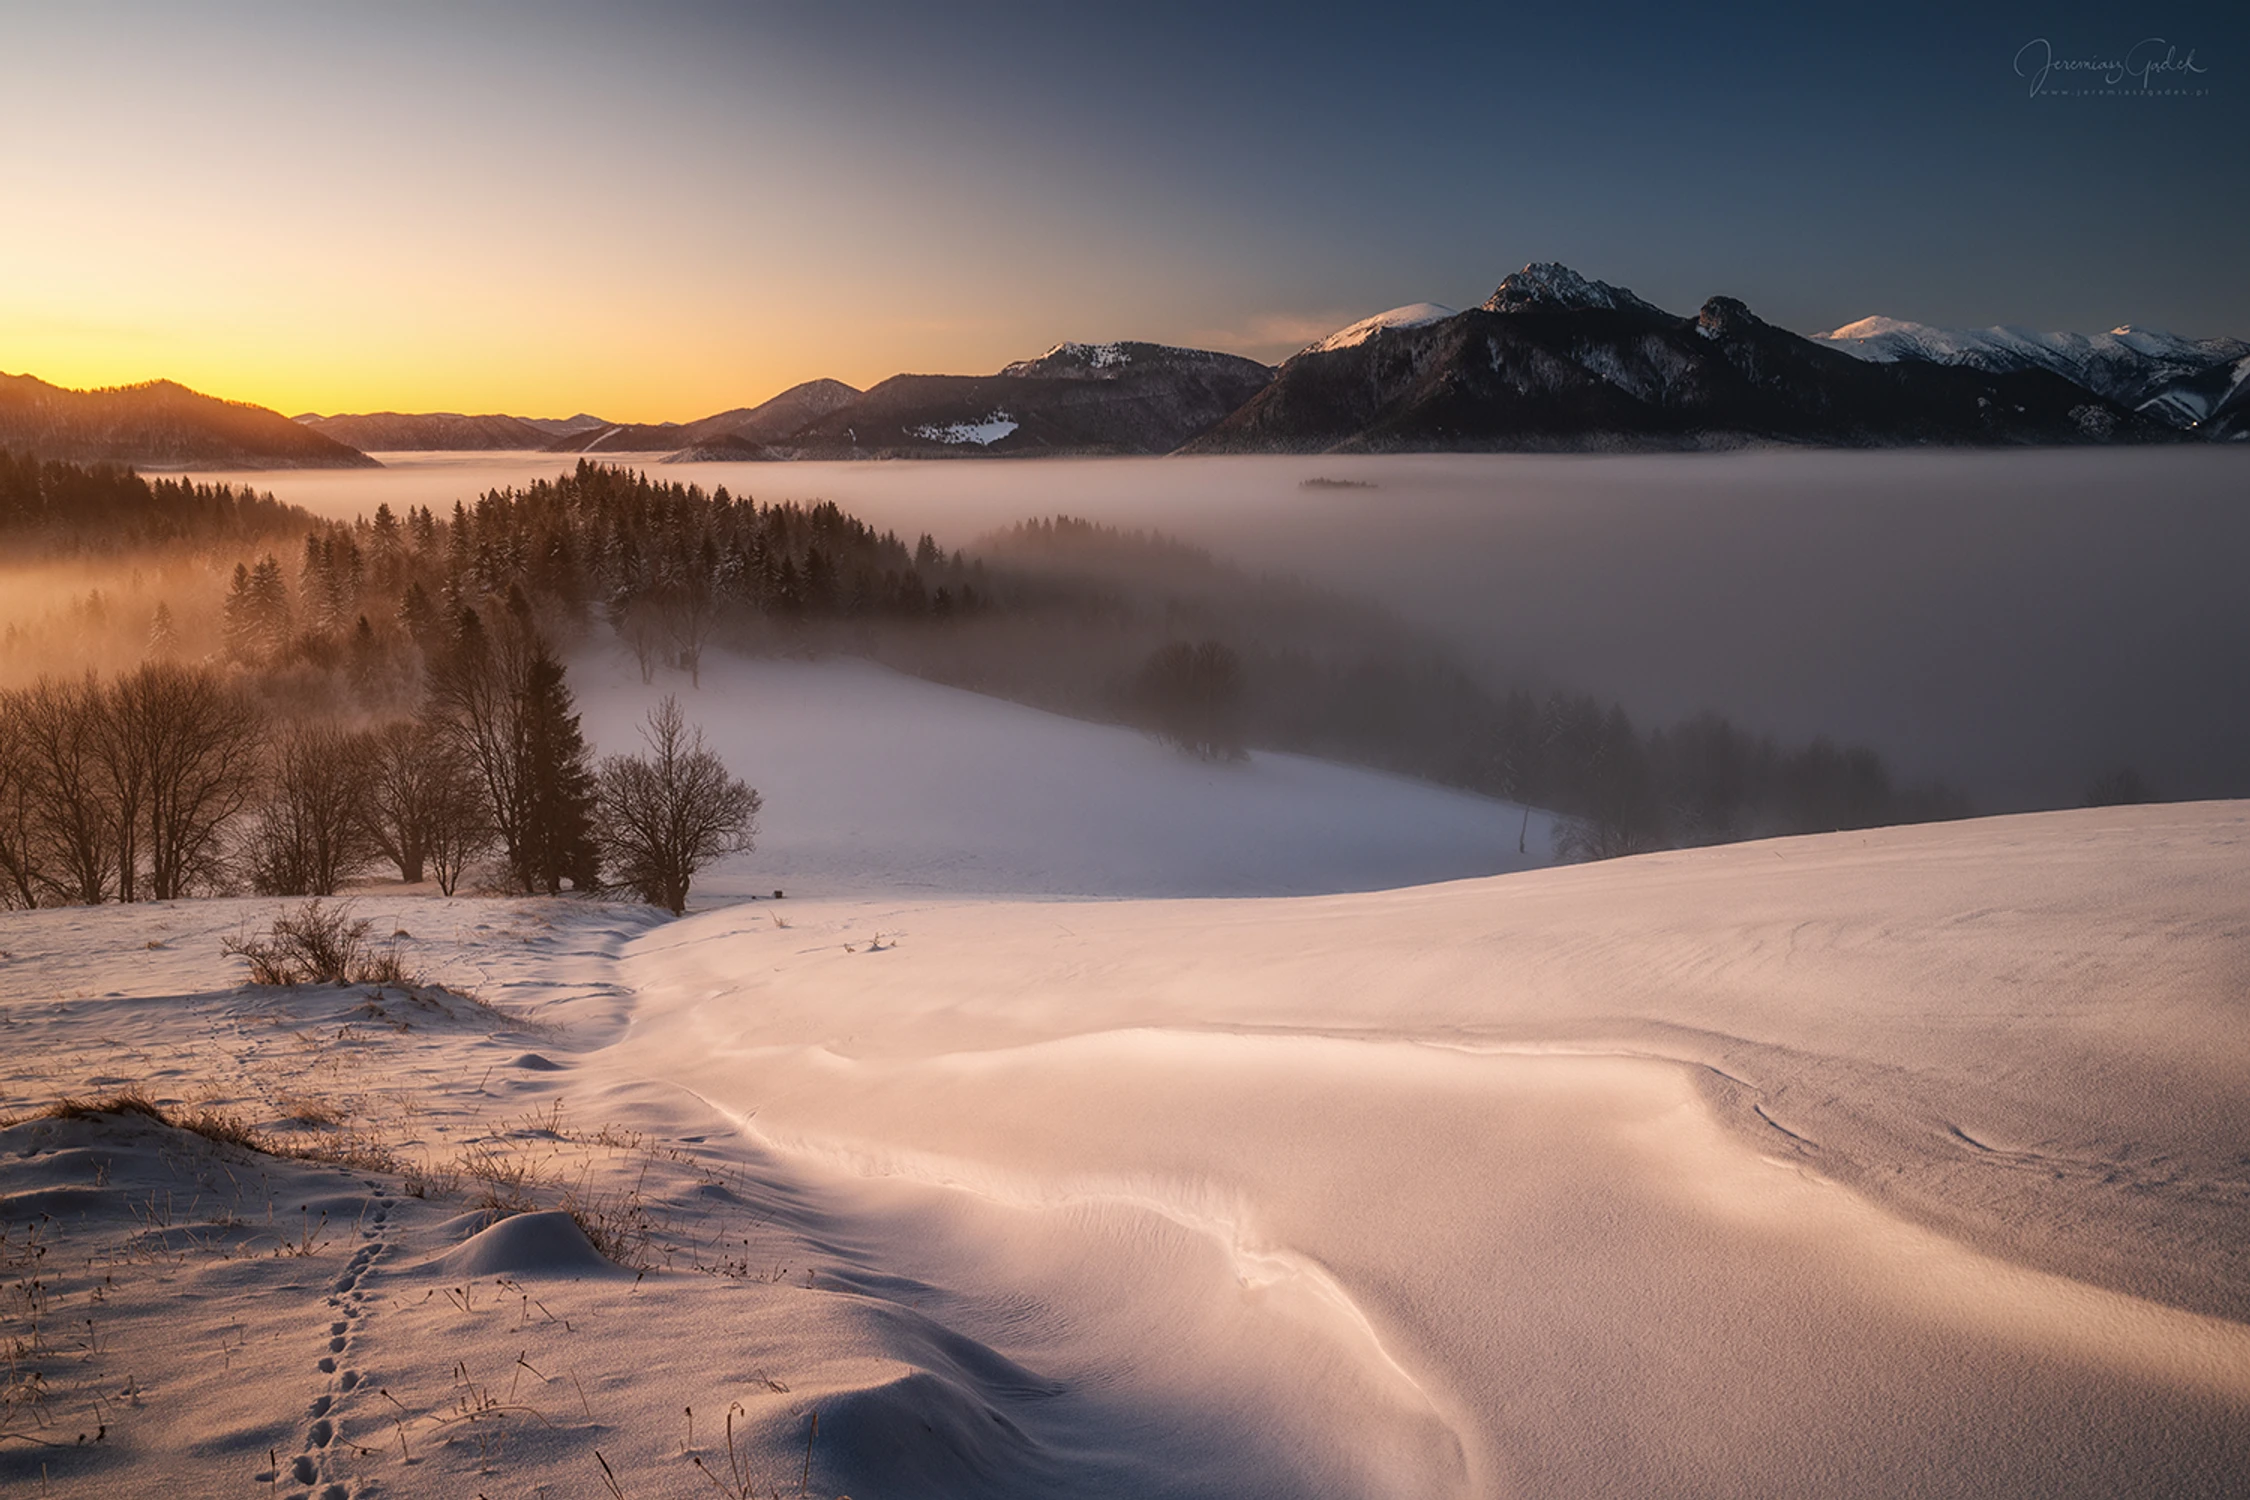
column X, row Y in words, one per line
column 659, row 211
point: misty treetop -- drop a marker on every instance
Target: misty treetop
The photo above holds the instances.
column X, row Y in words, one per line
column 59, row 507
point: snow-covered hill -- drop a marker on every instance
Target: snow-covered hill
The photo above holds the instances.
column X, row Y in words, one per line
column 1900, row 1162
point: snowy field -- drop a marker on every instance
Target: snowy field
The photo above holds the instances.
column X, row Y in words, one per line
column 1088, row 1121
column 878, row 781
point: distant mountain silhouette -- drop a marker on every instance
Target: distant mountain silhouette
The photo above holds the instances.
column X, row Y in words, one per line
column 1120, row 398
column 2180, row 382
column 390, row 431
column 739, row 433
column 777, row 418
column 160, row 424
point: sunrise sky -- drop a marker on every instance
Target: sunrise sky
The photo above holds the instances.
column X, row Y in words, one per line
column 659, row 211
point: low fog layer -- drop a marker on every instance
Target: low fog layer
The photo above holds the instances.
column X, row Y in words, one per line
column 878, row 781
column 2015, row 622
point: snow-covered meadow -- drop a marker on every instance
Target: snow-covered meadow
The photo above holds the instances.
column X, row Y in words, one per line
column 1089, row 1120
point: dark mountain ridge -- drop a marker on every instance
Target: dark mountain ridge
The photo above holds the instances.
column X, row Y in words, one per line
column 390, row 431
column 1554, row 362
column 159, row 424
column 1079, row 399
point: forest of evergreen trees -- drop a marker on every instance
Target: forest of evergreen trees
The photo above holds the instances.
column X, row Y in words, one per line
column 48, row 507
column 325, row 629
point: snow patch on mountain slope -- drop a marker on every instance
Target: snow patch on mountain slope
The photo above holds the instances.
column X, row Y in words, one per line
column 1071, row 355
column 1413, row 315
column 984, row 434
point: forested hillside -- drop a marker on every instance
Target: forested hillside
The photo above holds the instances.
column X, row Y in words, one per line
column 349, row 622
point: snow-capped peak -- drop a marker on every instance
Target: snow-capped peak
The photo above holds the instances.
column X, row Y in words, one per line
column 1079, row 361
column 1070, row 352
column 2142, row 368
column 1876, row 327
column 1413, row 315
column 1546, row 286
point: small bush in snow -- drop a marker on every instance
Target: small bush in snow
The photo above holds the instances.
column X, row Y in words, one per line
column 319, row 944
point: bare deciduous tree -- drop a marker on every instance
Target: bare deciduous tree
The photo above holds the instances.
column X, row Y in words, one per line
column 459, row 832
column 501, row 698
column 59, row 735
column 425, row 811
column 691, row 614
column 312, row 832
column 122, row 738
column 669, row 813
column 202, row 737
column 640, row 625
column 19, row 856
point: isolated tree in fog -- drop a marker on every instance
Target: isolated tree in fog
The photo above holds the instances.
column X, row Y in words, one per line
column 669, row 813
column 1192, row 696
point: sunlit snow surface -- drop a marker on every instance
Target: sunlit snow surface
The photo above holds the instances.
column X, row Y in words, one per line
column 1907, row 1161
column 1871, row 1164
column 1413, row 315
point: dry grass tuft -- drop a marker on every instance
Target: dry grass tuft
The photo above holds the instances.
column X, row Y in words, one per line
column 222, row 1126
column 129, row 1102
column 320, row 944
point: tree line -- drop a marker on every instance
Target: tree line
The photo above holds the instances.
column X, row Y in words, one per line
column 666, row 566
column 45, row 505
column 171, row 781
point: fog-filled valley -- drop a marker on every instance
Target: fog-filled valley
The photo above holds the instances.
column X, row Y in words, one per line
column 365, row 635
column 2012, row 623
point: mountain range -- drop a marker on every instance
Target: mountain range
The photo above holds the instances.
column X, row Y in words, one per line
column 2186, row 383
column 1551, row 361
column 159, row 424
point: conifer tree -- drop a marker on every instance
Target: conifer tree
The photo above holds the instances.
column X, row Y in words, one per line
column 557, row 780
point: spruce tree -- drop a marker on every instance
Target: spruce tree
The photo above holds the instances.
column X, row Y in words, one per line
column 557, row 781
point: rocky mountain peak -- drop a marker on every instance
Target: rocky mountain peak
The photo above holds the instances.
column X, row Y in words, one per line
column 1726, row 317
column 1548, row 286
